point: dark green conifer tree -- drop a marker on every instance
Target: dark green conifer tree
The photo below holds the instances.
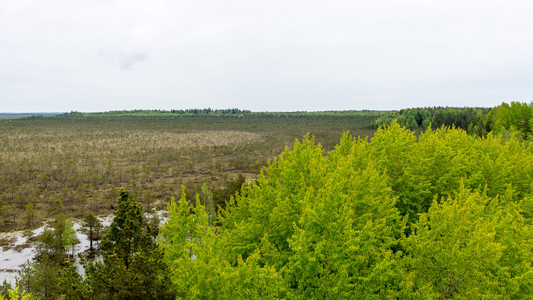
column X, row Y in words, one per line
column 132, row 266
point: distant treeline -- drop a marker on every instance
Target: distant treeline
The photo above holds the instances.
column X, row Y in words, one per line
column 4, row 116
column 220, row 112
column 160, row 112
column 351, row 113
column 514, row 118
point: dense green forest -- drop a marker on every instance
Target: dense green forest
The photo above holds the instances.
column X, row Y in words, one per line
column 514, row 118
column 396, row 213
column 422, row 118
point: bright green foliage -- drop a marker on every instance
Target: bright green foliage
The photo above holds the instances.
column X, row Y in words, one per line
column 470, row 247
column 331, row 226
column 14, row 295
column 197, row 263
column 313, row 226
column 441, row 159
column 515, row 117
column 347, row 228
column 132, row 263
column 515, row 233
column 68, row 236
column 392, row 148
column 452, row 250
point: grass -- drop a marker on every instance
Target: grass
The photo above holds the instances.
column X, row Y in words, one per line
column 78, row 163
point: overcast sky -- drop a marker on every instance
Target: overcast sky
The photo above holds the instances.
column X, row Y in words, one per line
column 275, row 55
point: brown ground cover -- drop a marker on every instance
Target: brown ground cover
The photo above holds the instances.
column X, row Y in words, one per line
column 77, row 165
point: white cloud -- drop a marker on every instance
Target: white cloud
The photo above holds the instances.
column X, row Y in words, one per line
column 63, row 55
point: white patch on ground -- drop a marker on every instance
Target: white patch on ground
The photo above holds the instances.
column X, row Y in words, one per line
column 11, row 260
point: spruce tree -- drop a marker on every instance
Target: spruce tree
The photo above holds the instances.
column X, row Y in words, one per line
column 132, row 266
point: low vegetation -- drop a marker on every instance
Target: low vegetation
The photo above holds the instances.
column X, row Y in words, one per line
column 77, row 163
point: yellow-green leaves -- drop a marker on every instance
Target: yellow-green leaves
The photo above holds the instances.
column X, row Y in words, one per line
column 470, row 247
column 14, row 295
column 452, row 247
column 317, row 225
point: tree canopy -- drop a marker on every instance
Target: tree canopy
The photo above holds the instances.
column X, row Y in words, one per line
column 444, row 215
